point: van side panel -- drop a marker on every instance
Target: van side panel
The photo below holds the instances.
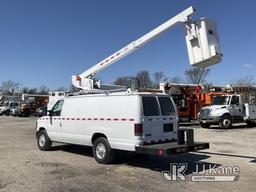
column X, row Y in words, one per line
column 113, row 116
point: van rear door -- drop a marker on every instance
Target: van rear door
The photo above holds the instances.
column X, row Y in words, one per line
column 152, row 125
column 169, row 121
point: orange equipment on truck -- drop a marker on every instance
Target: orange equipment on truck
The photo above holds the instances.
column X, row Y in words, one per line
column 29, row 104
column 185, row 98
column 190, row 98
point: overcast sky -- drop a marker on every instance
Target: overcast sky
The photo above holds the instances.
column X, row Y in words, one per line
column 45, row 42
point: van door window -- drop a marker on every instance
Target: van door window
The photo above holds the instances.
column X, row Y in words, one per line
column 56, row 110
column 150, row 106
column 166, row 106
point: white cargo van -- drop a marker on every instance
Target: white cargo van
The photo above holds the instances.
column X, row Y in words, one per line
column 142, row 122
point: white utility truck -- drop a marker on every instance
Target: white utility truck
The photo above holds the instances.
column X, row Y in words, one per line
column 143, row 122
column 226, row 110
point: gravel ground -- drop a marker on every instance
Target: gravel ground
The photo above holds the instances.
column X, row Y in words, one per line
column 72, row 168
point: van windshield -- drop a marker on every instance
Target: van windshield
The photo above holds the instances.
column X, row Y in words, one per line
column 166, row 106
column 220, row 100
column 150, row 106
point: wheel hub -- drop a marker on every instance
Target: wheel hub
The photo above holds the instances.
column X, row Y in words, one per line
column 226, row 123
column 42, row 140
column 100, row 151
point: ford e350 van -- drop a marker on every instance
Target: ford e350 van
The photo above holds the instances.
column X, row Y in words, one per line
column 146, row 123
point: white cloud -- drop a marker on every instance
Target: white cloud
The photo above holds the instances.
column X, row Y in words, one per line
column 248, row 66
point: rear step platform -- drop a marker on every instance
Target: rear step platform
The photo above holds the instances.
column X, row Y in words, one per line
column 186, row 144
column 166, row 149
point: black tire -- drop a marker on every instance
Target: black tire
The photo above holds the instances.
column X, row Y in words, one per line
column 46, row 144
column 226, row 122
column 102, row 151
column 7, row 112
column 26, row 113
column 205, row 125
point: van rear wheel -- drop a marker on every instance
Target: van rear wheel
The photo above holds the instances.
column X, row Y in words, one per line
column 102, row 151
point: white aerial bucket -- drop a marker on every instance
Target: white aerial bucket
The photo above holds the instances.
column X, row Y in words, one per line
column 203, row 43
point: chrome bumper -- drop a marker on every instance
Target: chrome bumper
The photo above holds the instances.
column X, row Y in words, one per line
column 209, row 119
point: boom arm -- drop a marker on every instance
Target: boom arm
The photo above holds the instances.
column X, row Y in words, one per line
column 84, row 80
column 201, row 38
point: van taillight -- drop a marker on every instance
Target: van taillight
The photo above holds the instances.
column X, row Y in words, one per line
column 138, row 129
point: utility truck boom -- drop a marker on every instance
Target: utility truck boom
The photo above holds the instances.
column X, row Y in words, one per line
column 201, row 38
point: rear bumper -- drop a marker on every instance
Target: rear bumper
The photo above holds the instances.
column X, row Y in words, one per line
column 185, row 144
column 170, row 148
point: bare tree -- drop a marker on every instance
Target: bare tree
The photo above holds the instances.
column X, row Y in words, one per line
column 141, row 79
column 25, row 90
column 197, row 75
column 62, row 88
column 144, row 79
column 43, row 90
column 124, row 81
column 10, row 87
column 32, row 90
column 158, row 77
column 247, row 80
column 176, row 79
column 28, row 90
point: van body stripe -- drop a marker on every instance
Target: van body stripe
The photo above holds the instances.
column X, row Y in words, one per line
column 89, row 119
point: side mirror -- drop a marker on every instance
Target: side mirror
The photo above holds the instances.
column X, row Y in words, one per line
column 40, row 114
column 50, row 113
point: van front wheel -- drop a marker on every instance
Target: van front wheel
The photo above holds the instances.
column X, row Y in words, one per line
column 43, row 141
column 102, row 151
